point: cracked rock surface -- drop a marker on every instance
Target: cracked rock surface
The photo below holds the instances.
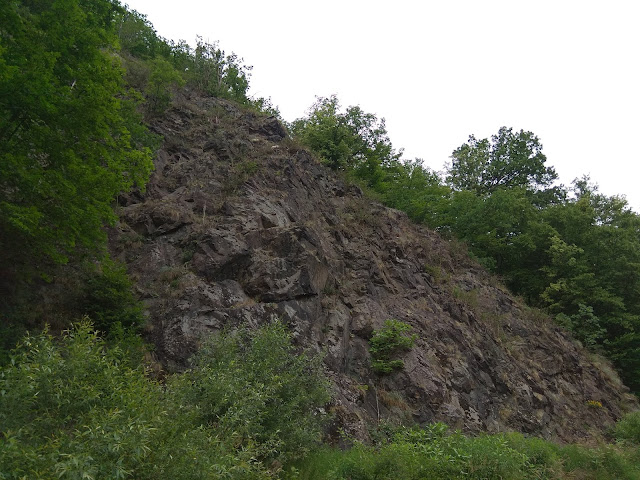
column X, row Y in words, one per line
column 239, row 225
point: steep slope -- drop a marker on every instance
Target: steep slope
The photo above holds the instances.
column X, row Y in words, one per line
column 240, row 225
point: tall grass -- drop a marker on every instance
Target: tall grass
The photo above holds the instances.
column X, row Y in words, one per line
column 436, row 453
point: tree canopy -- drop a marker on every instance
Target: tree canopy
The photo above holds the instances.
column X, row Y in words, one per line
column 509, row 160
column 70, row 138
column 352, row 140
column 573, row 252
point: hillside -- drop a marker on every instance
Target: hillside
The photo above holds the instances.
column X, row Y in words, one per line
column 148, row 201
column 240, row 225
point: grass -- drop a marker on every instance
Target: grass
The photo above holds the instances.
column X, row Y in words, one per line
column 437, row 453
column 468, row 297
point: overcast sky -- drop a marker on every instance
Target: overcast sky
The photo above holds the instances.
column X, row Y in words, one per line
column 438, row 71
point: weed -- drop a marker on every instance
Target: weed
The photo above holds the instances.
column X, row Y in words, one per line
column 495, row 323
column 469, row 298
column 434, row 272
column 187, row 253
column 170, row 273
column 535, row 316
column 238, row 176
column 393, row 400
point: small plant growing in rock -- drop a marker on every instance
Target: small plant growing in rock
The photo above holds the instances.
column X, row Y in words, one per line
column 387, row 343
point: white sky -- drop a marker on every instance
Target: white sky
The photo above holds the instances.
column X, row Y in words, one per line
column 438, row 71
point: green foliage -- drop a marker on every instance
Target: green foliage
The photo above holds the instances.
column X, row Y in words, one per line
column 435, row 453
column 354, row 141
column 69, row 142
column 162, row 79
column 77, row 409
column 217, row 73
column 253, row 388
column 155, row 66
column 137, row 36
column 107, row 297
column 387, row 343
column 264, row 105
column 509, row 160
column 584, row 324
column 415, row 189
column 423, row 453
column 628, row 428
column 593, row 274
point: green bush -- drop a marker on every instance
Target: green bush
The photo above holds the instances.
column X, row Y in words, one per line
column 435, row 453
column 252, row 387
column 417, row 454
column 628, row 428
column 107, row 297
column 162, row 79
column 76, row 409
column 388, row 342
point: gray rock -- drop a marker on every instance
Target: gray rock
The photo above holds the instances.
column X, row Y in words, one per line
column 292, row 241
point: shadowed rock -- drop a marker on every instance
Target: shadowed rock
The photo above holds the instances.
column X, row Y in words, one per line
column 234, row 231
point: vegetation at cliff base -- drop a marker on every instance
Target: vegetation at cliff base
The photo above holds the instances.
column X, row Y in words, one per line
column 250, row 407
column 80, row 80
column 81, row 409
column 435, row 452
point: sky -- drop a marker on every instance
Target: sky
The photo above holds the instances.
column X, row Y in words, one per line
column 439, row 71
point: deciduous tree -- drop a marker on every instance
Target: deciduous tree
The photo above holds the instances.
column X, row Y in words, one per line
column 69, row 139
column 507, row 160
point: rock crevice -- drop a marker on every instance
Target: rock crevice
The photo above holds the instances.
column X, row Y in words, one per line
column 241, row 226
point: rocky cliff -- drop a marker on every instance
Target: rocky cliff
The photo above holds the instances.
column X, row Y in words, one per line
column 241, row 225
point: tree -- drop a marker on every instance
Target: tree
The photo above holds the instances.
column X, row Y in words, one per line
column 353, row 141
column 324, row 130
column 137, row 36
column 70, row 140
column 217, row 73
column 593, row 274
column 162, row 78
column 508, row 160
column 415, row 189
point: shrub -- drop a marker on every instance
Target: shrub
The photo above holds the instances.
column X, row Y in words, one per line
column 253, row 388
column 75, row 408
column 628, row 428
column 436, row 453
column 162, row 79
column 388, row 342
column 417, row 454
column 107, row 297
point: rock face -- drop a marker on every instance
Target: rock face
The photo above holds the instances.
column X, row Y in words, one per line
column 240, row 225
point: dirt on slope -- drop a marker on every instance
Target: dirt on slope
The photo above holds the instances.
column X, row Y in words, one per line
column 239, row 225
